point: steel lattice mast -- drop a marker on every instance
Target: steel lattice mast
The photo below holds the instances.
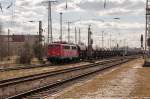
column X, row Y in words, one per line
column 147, row 28
column 50, row 31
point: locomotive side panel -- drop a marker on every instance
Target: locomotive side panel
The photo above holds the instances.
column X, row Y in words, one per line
column 70, row 52
column 54, row 50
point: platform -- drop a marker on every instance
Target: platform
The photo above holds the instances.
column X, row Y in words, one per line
column 127, row 81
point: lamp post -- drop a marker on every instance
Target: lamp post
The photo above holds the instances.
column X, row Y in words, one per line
column 117, row 18
column 40, row 30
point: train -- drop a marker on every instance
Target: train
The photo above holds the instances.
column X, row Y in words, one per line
column 62, row 52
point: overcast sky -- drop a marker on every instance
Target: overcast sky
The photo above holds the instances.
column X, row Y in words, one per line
column 127, row 30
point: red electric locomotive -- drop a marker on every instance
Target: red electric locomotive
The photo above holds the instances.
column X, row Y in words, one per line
column 62, row 52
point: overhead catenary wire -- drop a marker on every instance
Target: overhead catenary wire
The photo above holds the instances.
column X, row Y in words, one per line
column 11, row 4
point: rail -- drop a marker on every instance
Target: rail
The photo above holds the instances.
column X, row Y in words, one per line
column 94, row 67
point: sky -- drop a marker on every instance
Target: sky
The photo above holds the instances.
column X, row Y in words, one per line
column 125, row 31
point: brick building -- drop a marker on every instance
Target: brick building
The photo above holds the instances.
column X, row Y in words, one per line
column 16, row 42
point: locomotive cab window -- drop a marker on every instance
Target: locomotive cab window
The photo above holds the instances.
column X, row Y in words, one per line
column 74, row 48
column 66, row 47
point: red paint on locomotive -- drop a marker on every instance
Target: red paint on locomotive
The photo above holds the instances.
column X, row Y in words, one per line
column 62, row 51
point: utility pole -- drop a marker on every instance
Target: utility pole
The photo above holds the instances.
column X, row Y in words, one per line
column 90, row 42
column 108, row 43
column 110, row 40
column 79, row 36
column 124, row 43
column 61, row 26
column 142, row 41
column 147, row 27
column 50, row 35
column 68, row 31
column 75, row 35
column 102, row 39
column 8, row 44
column 125, row 46
column 40, row 32
column 40, row 40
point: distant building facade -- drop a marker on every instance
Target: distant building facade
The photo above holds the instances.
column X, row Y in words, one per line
column 16, row 42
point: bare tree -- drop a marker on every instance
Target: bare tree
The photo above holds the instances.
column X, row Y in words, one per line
column 3, row 48
column 26, row 54
column 38, row 50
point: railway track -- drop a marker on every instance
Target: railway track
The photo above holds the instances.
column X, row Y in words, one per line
column 24, row 67
column 30, row 77
column 30, row 67
column 4, row 69
column 51, row 79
